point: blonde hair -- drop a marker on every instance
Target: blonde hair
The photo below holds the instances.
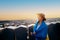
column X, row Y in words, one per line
column 42, row 15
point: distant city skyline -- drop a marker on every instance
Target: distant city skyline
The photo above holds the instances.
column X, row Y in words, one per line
column 27, row 9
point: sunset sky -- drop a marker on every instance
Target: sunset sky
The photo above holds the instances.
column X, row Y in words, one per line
column 26, row 9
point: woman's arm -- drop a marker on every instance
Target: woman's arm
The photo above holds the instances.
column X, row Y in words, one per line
column 40, row 29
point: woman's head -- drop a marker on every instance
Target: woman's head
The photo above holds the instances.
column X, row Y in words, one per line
column 41, row 17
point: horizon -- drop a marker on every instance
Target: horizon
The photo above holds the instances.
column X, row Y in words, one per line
column 27, row 19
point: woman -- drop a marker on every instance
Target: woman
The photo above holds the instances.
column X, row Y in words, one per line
column 40, row 28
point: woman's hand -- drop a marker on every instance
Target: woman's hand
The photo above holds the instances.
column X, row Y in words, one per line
column 31, row 33
column 34, row 33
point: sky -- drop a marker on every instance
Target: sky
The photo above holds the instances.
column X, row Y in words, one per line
column 27, row 9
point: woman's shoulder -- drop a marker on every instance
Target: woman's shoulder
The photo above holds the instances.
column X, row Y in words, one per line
column 44, row 23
